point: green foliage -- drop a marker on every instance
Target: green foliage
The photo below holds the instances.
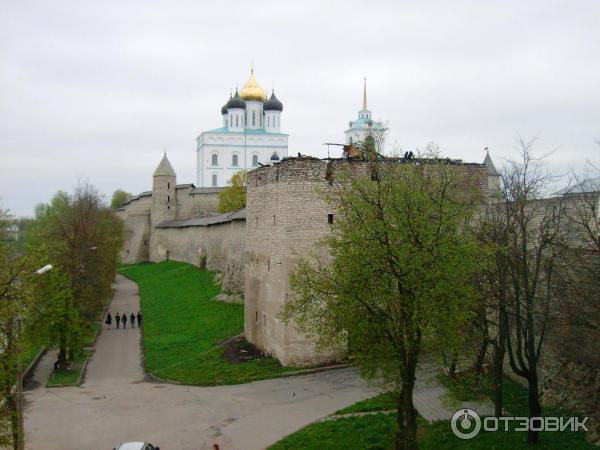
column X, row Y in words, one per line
column 118, row 198
column 403, row 264
column 468, row 386
column 81, row 238
column 183, row 327
column 233, row 197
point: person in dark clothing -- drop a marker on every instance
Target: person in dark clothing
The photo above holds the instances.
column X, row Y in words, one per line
column 118, row 319
column 139, row 318
column 124, row 320
column 132, row 320
column 108, row 320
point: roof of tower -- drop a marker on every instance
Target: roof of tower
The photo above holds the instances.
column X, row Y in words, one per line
column 164, row 169
column 224, row 108
column 252, row 90
column 236, row 102
column 491, row 169
column 273, row 104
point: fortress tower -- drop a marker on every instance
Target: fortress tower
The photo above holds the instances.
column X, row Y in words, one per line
column 164, row 202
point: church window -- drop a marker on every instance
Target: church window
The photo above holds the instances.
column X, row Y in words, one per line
column 253, row 118
column 254, row 160
column 237, row 121
column 329, row 219
column 168, row 185
column 215, row 159
column 234, row 160
column 214, row 180
column 168, row 198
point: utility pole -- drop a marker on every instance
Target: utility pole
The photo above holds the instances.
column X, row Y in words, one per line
column 20, row 402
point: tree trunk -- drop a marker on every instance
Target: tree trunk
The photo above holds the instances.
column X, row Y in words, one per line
column 62, row 351
column 12, row 406
column 535, row 410
column 481, row 356
column 498, row 374
column 406, row 437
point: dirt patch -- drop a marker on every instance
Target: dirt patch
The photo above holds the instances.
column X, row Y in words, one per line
column 239, row 350
column 229, row 297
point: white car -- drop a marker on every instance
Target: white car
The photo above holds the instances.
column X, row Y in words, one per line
column 136, row 446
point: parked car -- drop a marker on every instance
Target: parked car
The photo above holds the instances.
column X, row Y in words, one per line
column 136, row 446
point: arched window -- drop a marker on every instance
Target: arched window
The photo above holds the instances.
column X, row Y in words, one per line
column 234, row 160
column 254, row 160
column 253, row 118
column 237, row 124
column 215, row 160
column 214, row 179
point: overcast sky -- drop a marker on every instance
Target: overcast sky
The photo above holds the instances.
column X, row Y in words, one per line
column 95, row 90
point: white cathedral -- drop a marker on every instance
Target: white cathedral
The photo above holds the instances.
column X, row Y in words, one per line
column 250, row 134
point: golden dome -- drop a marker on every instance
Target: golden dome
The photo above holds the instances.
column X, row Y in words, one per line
column 252, row 90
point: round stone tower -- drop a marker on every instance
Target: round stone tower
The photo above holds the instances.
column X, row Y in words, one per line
column 164, row 203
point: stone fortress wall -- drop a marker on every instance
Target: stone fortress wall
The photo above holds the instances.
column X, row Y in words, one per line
column 285, row 218
column 255, row 249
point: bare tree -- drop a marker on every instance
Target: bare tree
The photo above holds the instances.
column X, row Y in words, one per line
column 535, row 244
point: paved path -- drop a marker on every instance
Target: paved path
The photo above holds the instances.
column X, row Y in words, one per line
column 119, row 403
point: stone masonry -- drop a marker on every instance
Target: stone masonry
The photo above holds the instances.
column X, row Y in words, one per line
column 285, row 218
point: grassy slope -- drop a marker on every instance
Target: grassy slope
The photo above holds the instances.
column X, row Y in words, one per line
column 182, row 327
column 377, row 431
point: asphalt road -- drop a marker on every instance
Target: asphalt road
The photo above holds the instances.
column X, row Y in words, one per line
column 118, row 403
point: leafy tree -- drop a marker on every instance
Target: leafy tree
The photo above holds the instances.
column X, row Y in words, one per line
column 401, row 279
column 81, row 239
column 233, row 197
column 119, row 197
column 16, row 287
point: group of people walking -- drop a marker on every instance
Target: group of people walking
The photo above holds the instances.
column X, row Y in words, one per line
column 122, row 319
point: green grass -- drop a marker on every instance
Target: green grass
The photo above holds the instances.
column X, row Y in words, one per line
column 182, row 327
column 381, row 402
column 377, row 431
column 366, row 432
column 70, row 376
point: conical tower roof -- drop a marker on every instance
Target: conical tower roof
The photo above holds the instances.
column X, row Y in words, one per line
column 491, row 169
column 164, row 169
